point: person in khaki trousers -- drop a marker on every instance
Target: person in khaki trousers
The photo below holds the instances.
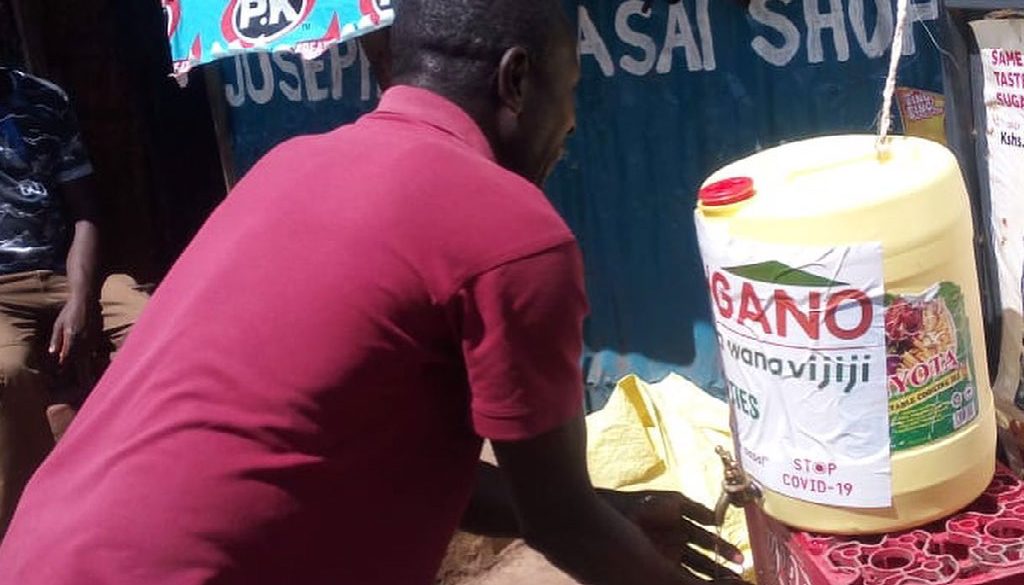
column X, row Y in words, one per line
column 59, row 322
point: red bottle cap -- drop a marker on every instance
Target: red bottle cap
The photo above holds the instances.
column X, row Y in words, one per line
column 727, row 192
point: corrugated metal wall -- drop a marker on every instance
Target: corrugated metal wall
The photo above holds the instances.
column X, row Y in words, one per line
column 666, row 98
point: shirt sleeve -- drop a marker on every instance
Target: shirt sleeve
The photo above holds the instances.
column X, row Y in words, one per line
column 522, row 339
column 72, row 158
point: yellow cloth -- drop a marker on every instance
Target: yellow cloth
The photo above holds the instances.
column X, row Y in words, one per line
column 663, row 437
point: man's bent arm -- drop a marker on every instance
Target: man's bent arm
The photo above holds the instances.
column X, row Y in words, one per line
column 562, row 516
column 81, row 264
column 491, row 511
column 83, row 255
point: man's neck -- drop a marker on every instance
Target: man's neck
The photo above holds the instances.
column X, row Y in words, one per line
column 478, row 109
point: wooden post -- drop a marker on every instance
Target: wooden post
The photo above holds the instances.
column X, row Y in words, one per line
column 221, row 126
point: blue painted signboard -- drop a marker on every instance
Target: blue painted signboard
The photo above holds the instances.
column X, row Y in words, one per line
column 666, row 98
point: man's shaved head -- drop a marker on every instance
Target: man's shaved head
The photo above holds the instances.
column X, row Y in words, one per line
column 459, row 43
column 510, row 64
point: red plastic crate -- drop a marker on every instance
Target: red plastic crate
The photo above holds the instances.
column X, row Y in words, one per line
column 982, row 545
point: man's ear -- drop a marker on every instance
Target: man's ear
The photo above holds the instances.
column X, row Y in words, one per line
column 512, row 73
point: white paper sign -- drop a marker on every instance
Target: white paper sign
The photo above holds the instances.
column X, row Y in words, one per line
column 802, row 335
column 1001, row 46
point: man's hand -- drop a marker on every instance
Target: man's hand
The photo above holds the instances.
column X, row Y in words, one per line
column 672, row 522
column 80, row 318
column 562, row 517
column 72, row 330
column 668, row 519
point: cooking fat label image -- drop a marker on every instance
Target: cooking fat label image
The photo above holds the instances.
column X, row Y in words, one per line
column 802, row 338
column 929, row 364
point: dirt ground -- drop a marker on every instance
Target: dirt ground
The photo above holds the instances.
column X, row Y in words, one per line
column 475, row 560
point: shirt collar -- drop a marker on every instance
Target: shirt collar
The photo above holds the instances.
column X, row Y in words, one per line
column 432, row 109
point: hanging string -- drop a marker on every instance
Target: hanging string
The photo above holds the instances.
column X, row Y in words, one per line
column 885, row 116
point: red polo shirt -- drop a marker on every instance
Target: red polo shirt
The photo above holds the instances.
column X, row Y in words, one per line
column 303, row 400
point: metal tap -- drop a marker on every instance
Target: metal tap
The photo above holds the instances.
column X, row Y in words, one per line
column 737, row 489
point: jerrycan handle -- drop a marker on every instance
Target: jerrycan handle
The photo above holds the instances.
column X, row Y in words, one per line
column 826, row 164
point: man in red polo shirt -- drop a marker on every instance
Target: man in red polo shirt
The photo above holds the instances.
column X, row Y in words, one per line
column 304, row 399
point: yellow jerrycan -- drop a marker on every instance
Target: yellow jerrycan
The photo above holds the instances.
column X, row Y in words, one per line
column 845, row 297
